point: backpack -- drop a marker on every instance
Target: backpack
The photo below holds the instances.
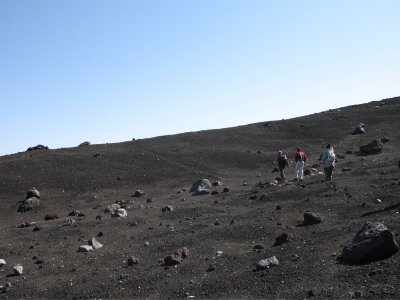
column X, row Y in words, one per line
column 283, row 160
column 331, row 156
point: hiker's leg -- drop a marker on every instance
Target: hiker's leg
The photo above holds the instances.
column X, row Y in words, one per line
column 326, row 171
column 301, row 170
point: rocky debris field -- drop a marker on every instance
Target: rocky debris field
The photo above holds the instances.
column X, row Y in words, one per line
column 205, row 215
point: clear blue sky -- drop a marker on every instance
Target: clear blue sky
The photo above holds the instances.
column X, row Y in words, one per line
column 110, row 71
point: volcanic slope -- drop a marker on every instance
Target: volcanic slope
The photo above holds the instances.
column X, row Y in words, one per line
column 241, row 224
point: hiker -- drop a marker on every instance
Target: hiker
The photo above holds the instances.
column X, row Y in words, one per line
column 282, row 161
column 300, row 158
column 328, row 160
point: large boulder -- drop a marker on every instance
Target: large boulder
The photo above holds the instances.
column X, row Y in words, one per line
column 373, row 242
column 375, row 147
column 200, row 187
column 28, row 204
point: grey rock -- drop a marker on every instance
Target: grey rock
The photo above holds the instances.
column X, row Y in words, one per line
column 200, row 187
column 217, row 183
column 86, row 143
column 177, row 257
column 119, row 213
column 28, row 204
column 360, row 129
column 94, row 243
column 112, row 207
column 85, row 248
column 374, row 147
column 132, row 261
column 38, row 147
column 167, row 208
column 33, row 192
column 2, row 262
column 138, row 193
column 267, row 263
column 17, row 270
column 311, row 218
column 283, row 238
column 373, row 242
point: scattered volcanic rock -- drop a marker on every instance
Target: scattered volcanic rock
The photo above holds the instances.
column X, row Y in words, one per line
column 2, row 262
column 283, row 238
column 86, row 143
column 311, row 218
column 132, row 261
column 76, row 213
column 112, row 207
column 267, row 263
column 94, row 243
column 28, row 204
column 85, row 248
column 17, row 270
column 38, row 147
column 119, row 213
column 200, row 187
column 374, row 147
column 138, row 193
column 360, row 129
column 177, row 257
column 49, row 217
column 167, row 208
column 33, row 192
column 373, row 242
column 217, row 183
column 385, row 140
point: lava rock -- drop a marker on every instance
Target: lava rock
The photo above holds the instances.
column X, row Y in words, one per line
column 132, row 261
column 267, row 263
column 138, row 193
column 17, row 270
column 200, row 187
column 28, row 204
column 373, row 242
column 177, row 257
column 119, row 213
column 38, row 147
column 85, row 248
column 94, row 243
column 283, row 238
column 33, row 192
column 360, row 129
column 311, row 218
column 374, row 147
column 49, row 217
column 112, row 207
column 86, row 143
column 217, row 183
column 167, row 208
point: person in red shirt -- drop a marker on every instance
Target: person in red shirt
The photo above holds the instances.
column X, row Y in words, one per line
column 300, row 158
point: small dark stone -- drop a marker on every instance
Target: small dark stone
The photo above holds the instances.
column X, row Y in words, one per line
column 50, row 217
column 225, row 190
column 311, row 218
column 283, row 238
